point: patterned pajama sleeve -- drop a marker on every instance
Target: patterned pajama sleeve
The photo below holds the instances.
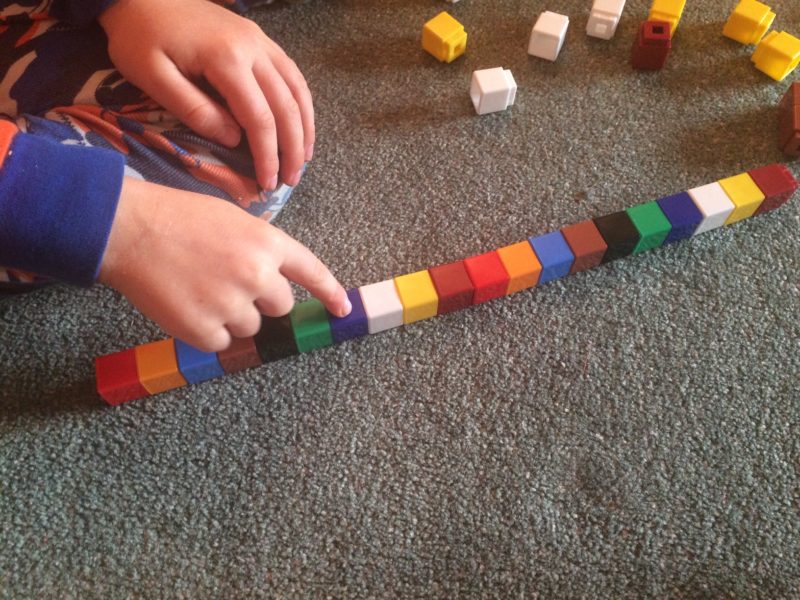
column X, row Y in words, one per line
column 71, row 127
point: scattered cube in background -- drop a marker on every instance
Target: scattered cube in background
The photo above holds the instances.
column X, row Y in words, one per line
column 683, row 215
column 310, row 324
column 604, row 18
column 382, row 305
column 275, row 339
column 586, row 244
column 548, row 34
column 444, row 37
column 488, row 275
column 418, row 296
column 745, row 195
column 777, row 55
column 117, row 377
column 652, row 46
column 353, row 325
column 492, row 90
column 453, row 286
column 196, row 365
column 522, row 266
column 157, row 366
column 652, row 225
column 748, row 22
column 619, row 233
column 554, row 255
column 240, row 355
column 789, row 121
column 777, row 184
column 669, row 11
column 715, row 205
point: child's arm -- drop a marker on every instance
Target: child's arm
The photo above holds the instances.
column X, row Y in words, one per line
column 166, row 48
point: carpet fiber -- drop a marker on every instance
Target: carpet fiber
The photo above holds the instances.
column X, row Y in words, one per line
column 629, row 432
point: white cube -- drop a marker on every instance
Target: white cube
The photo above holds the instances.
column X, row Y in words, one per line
column 382, row 305
column 492, row 90
column 548, row 35
column 604, row 18
column 715, row 205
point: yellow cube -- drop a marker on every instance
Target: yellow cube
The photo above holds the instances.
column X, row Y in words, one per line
column 444, row 37
column 669, row 11
column 417, row 295
column 748, row 22
column 745, row 195
column 777, row 55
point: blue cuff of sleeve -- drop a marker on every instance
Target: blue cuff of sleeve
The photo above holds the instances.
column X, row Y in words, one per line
column 79, row 12
column 57, row 204
column 242, row 6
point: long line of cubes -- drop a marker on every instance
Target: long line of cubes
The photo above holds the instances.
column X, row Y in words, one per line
column 159, row 366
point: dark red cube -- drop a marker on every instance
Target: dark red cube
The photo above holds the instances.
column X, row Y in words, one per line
column 777, row 184
column 652, row 46
column 453, row 286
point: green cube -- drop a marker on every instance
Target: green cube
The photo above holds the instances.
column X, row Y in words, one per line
column 311, row 327
column 653, row 225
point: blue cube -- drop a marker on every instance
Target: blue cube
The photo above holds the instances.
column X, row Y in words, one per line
column 555, row 255
column 196, row 365
column 353, row 325
column 683, row 215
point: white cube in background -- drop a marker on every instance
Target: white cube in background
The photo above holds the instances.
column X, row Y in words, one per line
column 715, row 205
column 492, row 90
column 604, row 18
column 548, row 35
column 382, row 305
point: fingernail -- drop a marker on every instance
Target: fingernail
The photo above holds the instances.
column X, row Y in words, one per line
column 273, row 183
column 347, row 307
column 310, row 152
column 296, row 177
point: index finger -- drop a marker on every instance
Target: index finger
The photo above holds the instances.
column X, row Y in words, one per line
column 303, row 267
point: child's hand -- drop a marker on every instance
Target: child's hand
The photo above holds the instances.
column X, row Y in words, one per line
column 204, row 269
column 165, row 48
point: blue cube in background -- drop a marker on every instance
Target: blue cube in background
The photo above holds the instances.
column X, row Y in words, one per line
column 196, row 365
column 555, row 255
column 683, row 215
column 353, row 325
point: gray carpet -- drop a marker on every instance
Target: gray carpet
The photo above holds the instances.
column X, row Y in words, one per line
column 627, row 432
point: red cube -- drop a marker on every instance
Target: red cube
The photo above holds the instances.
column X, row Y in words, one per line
column 117, row 377
column 488, row 275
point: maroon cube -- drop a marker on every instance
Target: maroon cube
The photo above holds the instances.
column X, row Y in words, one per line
column 777, row 184
column 453, row 286
column 789, row 121
column 652, row 46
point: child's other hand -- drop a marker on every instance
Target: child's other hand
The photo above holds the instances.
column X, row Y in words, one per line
column 165, row 48
column 204, row 269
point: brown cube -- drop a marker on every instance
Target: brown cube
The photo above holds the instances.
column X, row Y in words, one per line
column 789, row 121
column 586, row 244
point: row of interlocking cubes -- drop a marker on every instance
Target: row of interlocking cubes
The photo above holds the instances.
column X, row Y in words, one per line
column 159, row 366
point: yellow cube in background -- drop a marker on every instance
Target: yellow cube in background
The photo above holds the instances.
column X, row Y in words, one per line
column 417, row 295
column 748, row 22
column 777, row 55
column 745, row 195
column 669, row 11
column 444, row 37
column 157, row 366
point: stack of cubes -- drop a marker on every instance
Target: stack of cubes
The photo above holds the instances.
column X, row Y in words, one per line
column 159, row 366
